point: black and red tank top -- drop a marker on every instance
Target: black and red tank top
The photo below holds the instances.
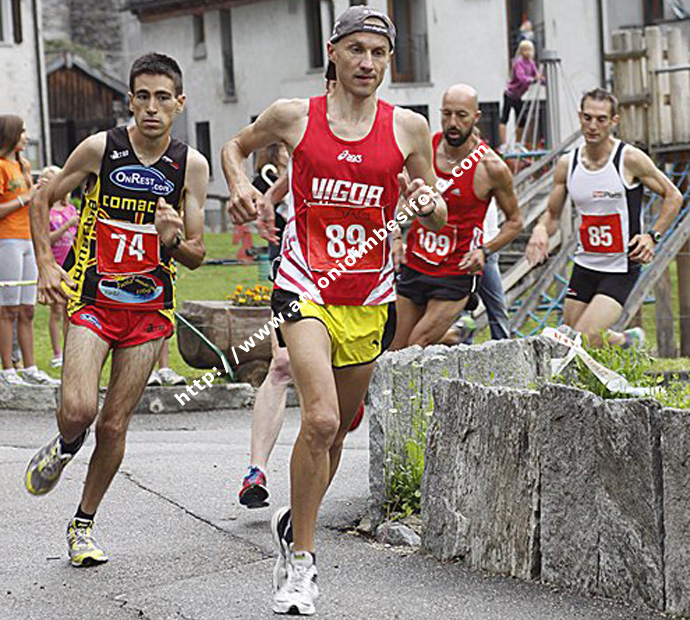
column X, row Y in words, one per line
column 336, row 244
column 117, row 259
column 438, row 253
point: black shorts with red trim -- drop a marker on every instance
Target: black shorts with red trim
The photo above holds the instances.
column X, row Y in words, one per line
column 123, row 328
column 419, row 287
column 586, row 283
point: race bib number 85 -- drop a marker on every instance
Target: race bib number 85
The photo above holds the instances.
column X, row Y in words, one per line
column 123, row 248
column 602, row 234
column 335, row 231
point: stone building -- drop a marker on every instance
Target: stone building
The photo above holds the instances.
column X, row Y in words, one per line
column 22, row 73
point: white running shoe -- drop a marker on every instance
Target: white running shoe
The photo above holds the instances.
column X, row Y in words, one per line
column 298, row 594
column 35, row 376
column 154, row 379
column 169, row 377
column 56, row 362
column 634, row 337
column 281, row 529
column 11, row 377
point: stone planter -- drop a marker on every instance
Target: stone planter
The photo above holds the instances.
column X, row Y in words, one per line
column 226, row 326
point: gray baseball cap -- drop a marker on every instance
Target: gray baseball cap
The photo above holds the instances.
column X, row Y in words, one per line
column 354, row 20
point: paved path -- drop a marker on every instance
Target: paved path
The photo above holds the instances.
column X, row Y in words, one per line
column 181, row 547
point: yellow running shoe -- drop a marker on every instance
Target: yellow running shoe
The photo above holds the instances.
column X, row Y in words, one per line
column 44, row 469
column 83, row 549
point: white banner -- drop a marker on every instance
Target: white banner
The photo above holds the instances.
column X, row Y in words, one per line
column 612, row 380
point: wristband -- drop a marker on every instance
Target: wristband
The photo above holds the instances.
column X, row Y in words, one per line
column 176, row 243
column 21, row 202
column 655, row 235
column 487, row 252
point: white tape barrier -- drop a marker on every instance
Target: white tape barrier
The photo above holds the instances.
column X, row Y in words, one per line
column 18, row 283
column 612, row 380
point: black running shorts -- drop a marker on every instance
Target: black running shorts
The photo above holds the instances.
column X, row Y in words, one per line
column 586, row 283
column 420, row 288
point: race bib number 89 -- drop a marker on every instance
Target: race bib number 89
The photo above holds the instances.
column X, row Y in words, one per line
column 123, row 248
column 335, row 231
column 602, row 234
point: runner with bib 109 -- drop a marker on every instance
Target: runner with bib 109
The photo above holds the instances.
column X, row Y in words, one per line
column 335, row 285
column 605, row 179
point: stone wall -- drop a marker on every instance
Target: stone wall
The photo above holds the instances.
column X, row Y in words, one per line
column 560, row 485
column 401, row 391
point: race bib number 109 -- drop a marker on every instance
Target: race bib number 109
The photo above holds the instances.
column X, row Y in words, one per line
column 123, row 248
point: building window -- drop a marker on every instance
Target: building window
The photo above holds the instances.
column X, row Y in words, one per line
column 314, row 34
column 653, row 11
column 411, row 58
column 356, row 2
column 199, row 36
column 226, row 42
column 422, row 109
column 203, row 142
column 17, row 21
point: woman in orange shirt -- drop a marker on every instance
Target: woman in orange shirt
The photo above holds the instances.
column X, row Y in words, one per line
column 17, row 261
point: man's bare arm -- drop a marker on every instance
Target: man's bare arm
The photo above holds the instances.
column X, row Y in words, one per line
column 537, row 249
column 192, row 251
column 84, row 161
column 434, row 214
column 504, row 193
column 643, row 168
column 280, row 122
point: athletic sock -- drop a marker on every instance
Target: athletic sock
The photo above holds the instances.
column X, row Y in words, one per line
column 72, row 447
column 85, row 516
column 303, row 558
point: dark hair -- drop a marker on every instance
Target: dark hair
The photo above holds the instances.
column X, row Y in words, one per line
column 11, row 128
column 156, row 64
column 600, row 94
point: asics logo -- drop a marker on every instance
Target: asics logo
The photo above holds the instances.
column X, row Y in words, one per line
column 119, row 154
column 350, row 157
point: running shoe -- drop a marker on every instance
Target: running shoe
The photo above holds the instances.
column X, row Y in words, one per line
column 34, row 376
column 169, row 377
column 11, row 377
column 281, row 530
column 56, row 362
column 358, row 418
column 298, row 594
column 154, row 379
column 83, row 549
column 254, row 493
column 634, row 337
column 44, row 469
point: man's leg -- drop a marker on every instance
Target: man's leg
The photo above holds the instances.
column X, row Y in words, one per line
column 600, row 314
column 309, row 345
column 409, row 314
column 85, row 353
column 25, row 334
column 494, row 299
column 352, row 384
column 131, row 368
column 8, row 315
column 573, row 309
column 267, row 421
column 437, row 319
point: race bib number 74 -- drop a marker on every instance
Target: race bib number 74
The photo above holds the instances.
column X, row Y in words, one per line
column 123, row 248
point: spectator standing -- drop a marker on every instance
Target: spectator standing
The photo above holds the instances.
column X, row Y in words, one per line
column 18, row 262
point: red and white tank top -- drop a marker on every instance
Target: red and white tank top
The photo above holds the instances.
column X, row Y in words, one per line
column 343, row 193
column 439, row 253
column 610, row 211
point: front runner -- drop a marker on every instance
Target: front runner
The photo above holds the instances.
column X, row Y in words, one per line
column 439, row 277
column 605, row 180
column 141, row 185
column 348, row 149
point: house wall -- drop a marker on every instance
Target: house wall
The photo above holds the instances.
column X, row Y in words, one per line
column 19, row 83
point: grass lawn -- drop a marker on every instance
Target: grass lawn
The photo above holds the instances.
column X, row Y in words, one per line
column 214, row 282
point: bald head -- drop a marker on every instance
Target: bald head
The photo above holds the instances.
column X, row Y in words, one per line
column 461, row 96
column 459, row 113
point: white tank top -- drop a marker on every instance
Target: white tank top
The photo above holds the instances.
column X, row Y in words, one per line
column 610, row 211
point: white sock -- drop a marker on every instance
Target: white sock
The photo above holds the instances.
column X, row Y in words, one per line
column 302, row 558
column 10, row 371
column 33, row 368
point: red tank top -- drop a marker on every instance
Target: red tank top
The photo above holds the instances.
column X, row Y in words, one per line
column 438, row 253
column 343, row 193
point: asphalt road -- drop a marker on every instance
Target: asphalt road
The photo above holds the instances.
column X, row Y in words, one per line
column 181, row 547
